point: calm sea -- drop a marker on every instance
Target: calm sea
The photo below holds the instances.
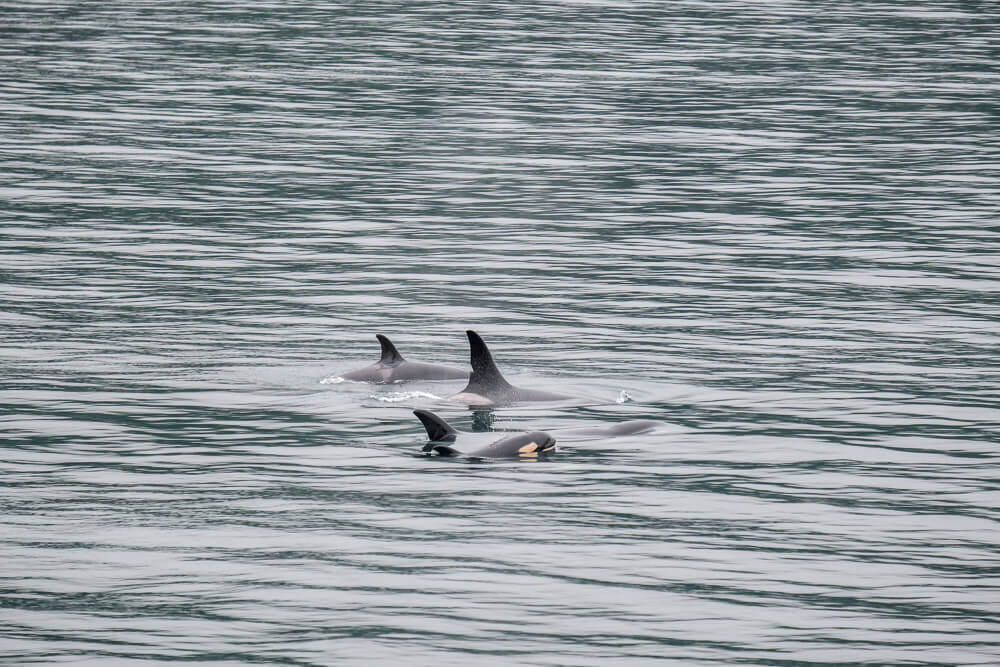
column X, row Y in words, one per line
column 773, row 227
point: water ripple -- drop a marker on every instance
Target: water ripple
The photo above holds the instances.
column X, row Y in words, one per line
column 771, row 228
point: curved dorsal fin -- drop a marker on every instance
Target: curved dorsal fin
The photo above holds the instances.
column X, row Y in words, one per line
column 438, row 429
column 485, row 374
column 390, row 355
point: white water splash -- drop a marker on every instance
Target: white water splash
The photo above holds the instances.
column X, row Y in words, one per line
column 623, row 397
column 333, row 379
column 398, row 396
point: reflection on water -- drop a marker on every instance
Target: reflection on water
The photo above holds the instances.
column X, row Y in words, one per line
column 770, row 228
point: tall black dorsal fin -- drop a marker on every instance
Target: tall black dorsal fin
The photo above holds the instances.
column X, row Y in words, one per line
column 390, row 355
column 485, row 374
column 438, row 429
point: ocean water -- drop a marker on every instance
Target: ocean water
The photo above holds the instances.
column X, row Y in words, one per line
column 771, row 227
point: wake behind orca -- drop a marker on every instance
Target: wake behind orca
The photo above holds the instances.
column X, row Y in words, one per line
column 446, row 441
column 487, row 386
column 392, row 368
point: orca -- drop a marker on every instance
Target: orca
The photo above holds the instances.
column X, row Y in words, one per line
column 393, row 368
column 632, row 427
column 487, row 386
column 445, row 441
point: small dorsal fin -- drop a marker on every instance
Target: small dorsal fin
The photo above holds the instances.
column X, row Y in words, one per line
column 485, row 374
column 390, row 355
column 438, row 429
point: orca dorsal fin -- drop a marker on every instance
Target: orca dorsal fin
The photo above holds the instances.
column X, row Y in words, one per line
column 438, row 429
column 485, row 374
column 390, row 355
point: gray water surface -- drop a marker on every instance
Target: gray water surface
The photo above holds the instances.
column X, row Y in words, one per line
column 771, row 227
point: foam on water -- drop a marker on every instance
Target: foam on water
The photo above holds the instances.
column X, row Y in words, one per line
column 401, row 396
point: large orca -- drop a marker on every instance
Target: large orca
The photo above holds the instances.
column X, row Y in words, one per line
column 446, row 441
column 487, row 385
column 633, row 427
column 392, row 368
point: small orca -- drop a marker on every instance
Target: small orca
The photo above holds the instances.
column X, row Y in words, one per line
column 528, row 444
column 392, row 368
column 487, row 385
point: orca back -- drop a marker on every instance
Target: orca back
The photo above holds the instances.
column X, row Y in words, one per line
column 390, row 355
column 438, row 430
column 486, row 379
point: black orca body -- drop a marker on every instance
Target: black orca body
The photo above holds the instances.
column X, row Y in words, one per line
column 445, row 441
column 393, row 368
column 487, row 385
